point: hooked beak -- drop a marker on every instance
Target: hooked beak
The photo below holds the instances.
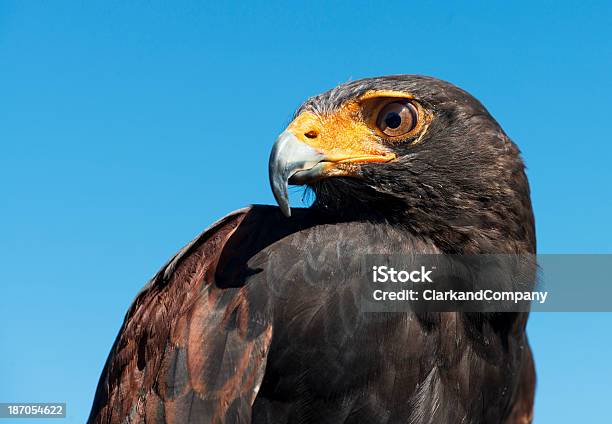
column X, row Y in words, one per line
column 294, row 162
column 288, row 157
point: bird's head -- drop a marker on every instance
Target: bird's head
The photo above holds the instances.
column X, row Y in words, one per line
column 410, row 150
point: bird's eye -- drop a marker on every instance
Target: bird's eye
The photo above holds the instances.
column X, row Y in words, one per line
column 397, row 118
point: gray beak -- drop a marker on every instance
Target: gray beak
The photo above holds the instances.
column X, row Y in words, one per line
column 291, row 161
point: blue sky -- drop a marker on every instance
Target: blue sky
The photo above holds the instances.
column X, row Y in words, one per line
column 128, row 127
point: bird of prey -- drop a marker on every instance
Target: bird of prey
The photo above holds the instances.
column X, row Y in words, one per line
column 257, row 319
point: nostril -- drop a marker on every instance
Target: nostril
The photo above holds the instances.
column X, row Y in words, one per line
column 311, row 134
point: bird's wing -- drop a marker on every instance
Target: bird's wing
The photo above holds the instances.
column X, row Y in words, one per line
column 188, row 350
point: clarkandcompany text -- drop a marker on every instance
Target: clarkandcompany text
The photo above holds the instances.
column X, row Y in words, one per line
column 460, row 296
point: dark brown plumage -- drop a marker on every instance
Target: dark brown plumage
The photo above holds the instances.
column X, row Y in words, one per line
column 258, row 319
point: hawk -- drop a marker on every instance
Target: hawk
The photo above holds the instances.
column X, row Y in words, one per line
column 257, row 319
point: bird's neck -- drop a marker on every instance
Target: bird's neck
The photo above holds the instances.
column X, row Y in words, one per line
column 452, row 229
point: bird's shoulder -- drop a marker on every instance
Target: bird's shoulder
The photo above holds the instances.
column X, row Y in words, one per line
column 170, row 359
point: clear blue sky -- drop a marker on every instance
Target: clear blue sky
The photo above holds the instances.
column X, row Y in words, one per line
column 128, row 127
